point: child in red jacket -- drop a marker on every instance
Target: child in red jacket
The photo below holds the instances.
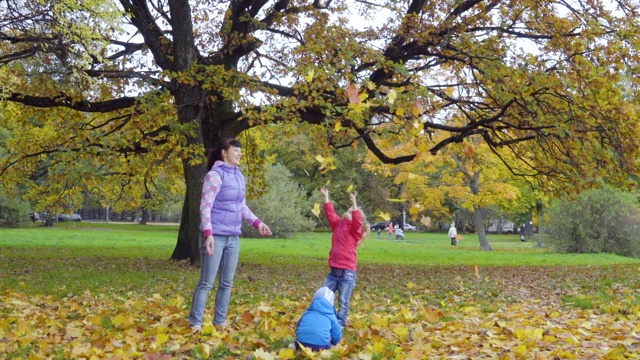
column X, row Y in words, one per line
column 348, row 232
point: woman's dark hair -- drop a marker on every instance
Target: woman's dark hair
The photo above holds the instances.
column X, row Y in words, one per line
column 215, row 154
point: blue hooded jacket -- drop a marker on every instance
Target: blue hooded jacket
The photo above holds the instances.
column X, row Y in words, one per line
column 319, row 325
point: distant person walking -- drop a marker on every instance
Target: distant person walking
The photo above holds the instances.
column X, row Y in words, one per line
column 453, row 234
column 222, row 209
column 348, row 232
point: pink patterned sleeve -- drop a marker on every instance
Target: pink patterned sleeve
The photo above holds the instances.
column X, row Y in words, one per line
column 210, row 189
column 249, row 216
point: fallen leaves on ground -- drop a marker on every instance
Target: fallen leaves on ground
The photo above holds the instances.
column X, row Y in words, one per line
column 397, row 312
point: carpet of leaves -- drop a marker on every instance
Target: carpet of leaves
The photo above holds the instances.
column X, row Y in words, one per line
column 397, row 312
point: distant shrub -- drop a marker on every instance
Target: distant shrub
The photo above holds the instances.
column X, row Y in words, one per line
column 603, row 220
column 13, row 212
column 284, row 207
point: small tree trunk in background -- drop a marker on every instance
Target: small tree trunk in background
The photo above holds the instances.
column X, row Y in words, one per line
column 540, row 211
column 144, row 218
column 482, row 235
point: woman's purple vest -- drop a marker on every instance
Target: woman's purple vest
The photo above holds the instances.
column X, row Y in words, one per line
column 226, row 213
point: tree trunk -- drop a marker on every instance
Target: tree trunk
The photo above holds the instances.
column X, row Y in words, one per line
column 144, row 217
column 540, row 210
column 188, row 246
column 482, row 235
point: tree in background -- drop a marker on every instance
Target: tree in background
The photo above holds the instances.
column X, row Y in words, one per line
column 314, row 163
column 284, row 206
column 136, row 84
column 599, row 220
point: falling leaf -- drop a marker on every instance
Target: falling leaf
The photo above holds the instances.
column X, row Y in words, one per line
column 352, row 94
column 350, row 188
column 396, row 200
column 469, row 150
column 315, row 211
column 475, row 270
column 426, row 221
column 416, row 108
column 338, row 126
column 384, row 216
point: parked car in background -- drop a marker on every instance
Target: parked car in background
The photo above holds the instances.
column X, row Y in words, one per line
column 380, row 225
column 501, row 227
column 68, row 217
column 409, row 227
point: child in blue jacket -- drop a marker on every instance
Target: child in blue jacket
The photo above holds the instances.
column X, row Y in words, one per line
column 318, row 327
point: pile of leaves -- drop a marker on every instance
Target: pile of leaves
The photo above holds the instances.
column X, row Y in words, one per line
column 397, row 312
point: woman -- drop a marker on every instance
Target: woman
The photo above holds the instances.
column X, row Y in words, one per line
column 222, row 209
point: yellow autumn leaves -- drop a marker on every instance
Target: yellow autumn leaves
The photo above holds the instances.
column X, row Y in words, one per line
column 405, row 325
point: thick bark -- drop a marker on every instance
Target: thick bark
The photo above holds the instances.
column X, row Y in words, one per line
column 182, row 249
column 482, row 235
column 187, row 246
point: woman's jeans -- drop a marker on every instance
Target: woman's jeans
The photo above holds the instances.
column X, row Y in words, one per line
column 225, row 260
column 343, row 281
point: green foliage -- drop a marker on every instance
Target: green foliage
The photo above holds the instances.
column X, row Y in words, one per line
column 601, row 220
column 13, row 211
column 283, row 207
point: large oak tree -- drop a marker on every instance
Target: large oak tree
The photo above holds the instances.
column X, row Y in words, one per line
column 132, row 86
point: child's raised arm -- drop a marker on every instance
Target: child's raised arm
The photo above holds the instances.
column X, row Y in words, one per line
column 325, row 192
column 354, row 204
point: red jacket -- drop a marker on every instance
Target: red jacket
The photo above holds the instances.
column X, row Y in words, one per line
column 345, row 238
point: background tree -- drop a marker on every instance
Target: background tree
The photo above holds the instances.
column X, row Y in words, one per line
column 165, row 79
column 599, row 220
column 284, row 206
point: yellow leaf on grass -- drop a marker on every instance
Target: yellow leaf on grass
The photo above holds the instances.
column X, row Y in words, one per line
column 205, row 349
column 378, row 347
column 80, row 350
column 402, row 332
column 287, row 354
column 161, row 338
column 350, row 188
column 261, row 354
column 618, row 352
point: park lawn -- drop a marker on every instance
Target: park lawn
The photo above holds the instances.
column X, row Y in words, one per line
column 105, row 290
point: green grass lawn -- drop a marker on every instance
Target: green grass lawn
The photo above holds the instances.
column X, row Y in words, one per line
column 73, row 257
